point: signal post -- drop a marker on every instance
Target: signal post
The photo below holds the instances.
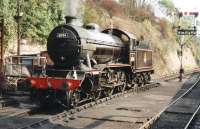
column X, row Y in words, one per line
column 182, row 32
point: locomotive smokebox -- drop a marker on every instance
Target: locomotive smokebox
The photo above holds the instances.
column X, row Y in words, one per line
column 69, row 19
column 63, row 46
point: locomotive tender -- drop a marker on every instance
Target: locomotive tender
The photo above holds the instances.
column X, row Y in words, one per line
column 88, row 63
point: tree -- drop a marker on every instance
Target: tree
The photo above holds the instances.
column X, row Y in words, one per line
column 40, row 17
column 168, row 6
column 112, row 7
column 8, row 8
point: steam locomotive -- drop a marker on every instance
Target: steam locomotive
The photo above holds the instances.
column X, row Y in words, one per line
column 89, row 63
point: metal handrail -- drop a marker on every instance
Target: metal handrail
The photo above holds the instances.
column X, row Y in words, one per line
column 19, row 65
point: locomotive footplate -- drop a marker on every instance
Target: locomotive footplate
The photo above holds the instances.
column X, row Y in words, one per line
column 112, row 85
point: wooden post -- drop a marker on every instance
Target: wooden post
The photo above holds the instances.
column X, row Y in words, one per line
column 18, row 29
column 18, row 18
column 1, row 41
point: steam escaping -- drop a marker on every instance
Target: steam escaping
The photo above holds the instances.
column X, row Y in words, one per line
column 72, row 8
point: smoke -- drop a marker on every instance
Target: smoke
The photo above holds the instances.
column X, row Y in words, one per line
column 73, row 8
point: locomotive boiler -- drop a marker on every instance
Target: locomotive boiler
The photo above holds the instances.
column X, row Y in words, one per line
column 69, row 45
column 89, row 63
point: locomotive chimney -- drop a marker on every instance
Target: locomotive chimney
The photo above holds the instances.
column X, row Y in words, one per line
column 69, row 19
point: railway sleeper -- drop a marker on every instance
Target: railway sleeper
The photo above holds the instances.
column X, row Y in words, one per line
column 177, row 112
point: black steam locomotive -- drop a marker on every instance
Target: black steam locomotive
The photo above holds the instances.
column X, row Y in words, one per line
column 88, row 64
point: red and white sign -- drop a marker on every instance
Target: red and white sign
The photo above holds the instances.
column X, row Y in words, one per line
column 189, row 14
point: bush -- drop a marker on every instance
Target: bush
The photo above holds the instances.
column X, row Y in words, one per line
column 38, row 19
column 112, row 7
column 141, row 14
column 166, row 29
column 90, row 15
column 94, row 14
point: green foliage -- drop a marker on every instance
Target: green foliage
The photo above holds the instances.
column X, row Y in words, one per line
column 148, row 26
column 39, row 17
column 90, row 15
column 94, row 14
column 42, row 18
column 139, row 10
column 196, row 49
column 8, row 11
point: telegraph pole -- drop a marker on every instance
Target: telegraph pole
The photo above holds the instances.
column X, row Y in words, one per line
column 182, row 32
column 18, row 18
column 1, row 41
column 18, row 31
column 181, row 71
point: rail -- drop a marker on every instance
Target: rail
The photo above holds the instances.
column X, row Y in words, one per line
column 148, row 124
column 69, row 113
column 192, row 118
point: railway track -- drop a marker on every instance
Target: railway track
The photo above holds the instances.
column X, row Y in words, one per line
column 15, row 104
column 194, row 122
column 175, row 75
column 7, row 101
column 13, row 112
column 181, row 113
column 68, row 114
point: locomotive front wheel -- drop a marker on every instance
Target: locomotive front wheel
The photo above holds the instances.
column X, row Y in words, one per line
column 122, row 80
column 109, row 91
column 149, row 77
column 140, row 80
column 120, row 88
column 146, row 78
column 97, row 94
column 76, row 98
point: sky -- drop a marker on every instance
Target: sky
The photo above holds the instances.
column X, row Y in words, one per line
column 187, row 5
